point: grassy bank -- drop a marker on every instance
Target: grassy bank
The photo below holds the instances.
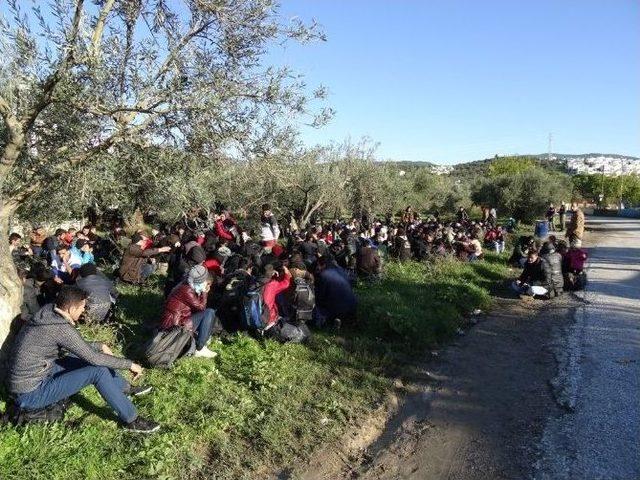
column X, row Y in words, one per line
column 260, row 404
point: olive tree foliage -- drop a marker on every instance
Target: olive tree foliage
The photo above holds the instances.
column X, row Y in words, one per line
column 524, row 195
column 87, row 87
column 99, row 82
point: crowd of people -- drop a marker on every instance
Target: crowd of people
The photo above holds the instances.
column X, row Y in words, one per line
column 270, row 281
column 553, row 266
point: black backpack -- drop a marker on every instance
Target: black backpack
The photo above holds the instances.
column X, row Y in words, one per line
column 166, row 346
column 304, row 300
column 19, row 417
column 286, row 332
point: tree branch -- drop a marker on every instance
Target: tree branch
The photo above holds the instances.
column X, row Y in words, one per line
column 96, row 38
column 49, row 86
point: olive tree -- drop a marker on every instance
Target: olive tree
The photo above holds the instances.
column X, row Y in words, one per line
column 88, row 88
column 524, row 195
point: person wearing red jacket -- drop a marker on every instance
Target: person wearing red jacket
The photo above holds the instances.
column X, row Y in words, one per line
column 186, row 307
column 223, row 225
column 279, row 280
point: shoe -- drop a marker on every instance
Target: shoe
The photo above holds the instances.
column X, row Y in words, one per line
column 138, row 391
column 204, row 352
column 142, row 425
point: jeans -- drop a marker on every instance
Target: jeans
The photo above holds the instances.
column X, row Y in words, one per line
column 69, row 376
column 147, row 270
column 202, row 325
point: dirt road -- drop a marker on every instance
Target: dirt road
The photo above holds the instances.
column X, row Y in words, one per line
column 537, row 390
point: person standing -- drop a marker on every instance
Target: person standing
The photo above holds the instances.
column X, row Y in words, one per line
column 551, row 212
column 269, row 229
column 575, row 228
column 562, row 211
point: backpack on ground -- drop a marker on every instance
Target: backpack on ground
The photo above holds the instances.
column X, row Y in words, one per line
column 286, row 332
column 18, row 417
column 304, row 300
column 166, row 346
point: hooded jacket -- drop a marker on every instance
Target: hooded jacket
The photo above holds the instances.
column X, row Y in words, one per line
column 40, row 343
column 182, row 302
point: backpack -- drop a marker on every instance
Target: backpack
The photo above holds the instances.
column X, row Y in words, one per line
column 18, row 417
column 253, row 315
column 304, row 300
column 286, row 332
column 166, row 346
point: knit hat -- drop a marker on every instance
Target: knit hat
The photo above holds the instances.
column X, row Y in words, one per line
column 198, row 274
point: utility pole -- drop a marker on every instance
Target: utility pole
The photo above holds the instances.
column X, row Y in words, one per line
column 550, row 142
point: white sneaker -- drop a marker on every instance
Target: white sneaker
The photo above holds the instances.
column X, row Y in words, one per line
column 205, row 353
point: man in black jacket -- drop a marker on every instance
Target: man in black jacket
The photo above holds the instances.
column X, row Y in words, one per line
column 532, row 275
column 38, row 377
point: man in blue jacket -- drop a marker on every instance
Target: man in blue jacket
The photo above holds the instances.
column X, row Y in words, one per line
column 335, row 300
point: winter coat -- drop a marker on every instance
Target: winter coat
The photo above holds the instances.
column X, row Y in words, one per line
column 180, row 305
column 532, row 273
column 30, row 299
column 222, row 231
column 334, row 294
column 133, row 260
column 402, row 248
column 576, row 225
column 269, row 293
column 38, row 346
column 102, row 294
column 368, row 261
column 552, row 268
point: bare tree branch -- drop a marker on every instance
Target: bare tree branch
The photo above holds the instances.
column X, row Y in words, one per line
column 96, row 38
column 49, row 86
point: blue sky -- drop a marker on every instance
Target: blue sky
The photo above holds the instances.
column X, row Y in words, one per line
column 451, row 80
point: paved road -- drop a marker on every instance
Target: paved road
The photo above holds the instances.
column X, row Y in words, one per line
column 490, row 413
column 598, row 437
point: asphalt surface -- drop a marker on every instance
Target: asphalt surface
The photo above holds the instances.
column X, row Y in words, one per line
column 598, row 382
column 542, row 390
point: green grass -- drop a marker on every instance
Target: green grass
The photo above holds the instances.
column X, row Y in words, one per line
column 260, row 405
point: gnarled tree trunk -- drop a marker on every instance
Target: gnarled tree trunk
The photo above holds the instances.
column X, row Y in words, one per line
column 10, row 289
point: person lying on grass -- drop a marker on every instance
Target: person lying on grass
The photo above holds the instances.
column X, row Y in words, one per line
column 39, row 377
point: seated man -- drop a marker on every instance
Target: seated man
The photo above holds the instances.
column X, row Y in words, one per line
column 61, row 266
column 277, row 280
column 102, row 292
column 532, row 276
column 335, row 300
column 368, row 262
column 37, row 238
column 474, row 248
column 19, row 252
column 186, row 307
column 38, row 377
column 81, row 253
column 135, row 266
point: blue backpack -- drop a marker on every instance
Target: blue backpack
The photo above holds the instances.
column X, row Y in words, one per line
column 253, row 315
